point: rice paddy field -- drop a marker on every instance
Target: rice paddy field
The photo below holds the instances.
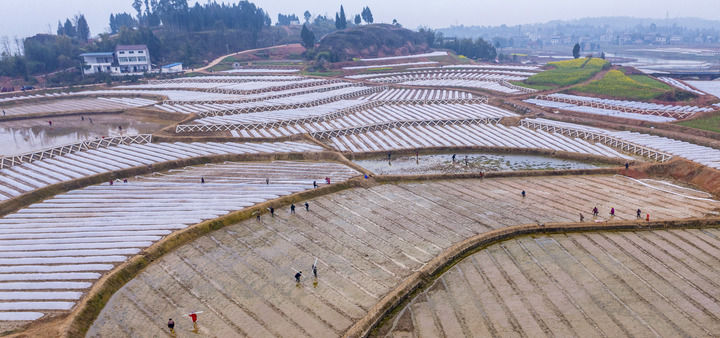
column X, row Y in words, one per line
column 463, row 163
column 204, row 222
column 367, row 241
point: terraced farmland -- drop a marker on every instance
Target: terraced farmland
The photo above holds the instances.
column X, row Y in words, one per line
column 598, row 111
column 20, row 98
column 207, row 104
column 641, row 143
column 394, row 65
column 47, row 263
column 234, row 78
column 77, row 104
column 412, row 56
column 448, row 75
column 240, row 86
column 680, row 84
column 403, row 136
column 339, row 115
column 490, row 79
column 403, row 94
column 261, row 70
column 647, row 283
column 95, row 157
column 367, row 241
column 640, row 107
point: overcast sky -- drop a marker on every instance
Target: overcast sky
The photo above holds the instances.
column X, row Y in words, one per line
column 23, row 18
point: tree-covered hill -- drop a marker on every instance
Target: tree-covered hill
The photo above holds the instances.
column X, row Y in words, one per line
column 375, row 40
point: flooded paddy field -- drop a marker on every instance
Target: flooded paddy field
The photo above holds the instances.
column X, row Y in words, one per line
column 468, row 163
column 22, row 136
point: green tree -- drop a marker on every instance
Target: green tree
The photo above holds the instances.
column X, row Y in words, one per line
column 137, row 5
column 61, row 29
column 431, row 37
column 121, row 20
column 113, row 23
column 340, row 19
column 308, row 37
column 357, row 19
column 307, row 16
column 576, row 51
column 83, row 30
column 68, row 28
column 367, row 15
column 286, row 20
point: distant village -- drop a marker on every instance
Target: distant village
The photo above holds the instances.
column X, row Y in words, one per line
column 591, row 35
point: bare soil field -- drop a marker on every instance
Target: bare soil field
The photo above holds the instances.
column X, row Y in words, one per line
column 612, row 284
column 366, row 241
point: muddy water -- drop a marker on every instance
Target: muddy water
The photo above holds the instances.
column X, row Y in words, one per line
column 479, row 162
column 22, row 136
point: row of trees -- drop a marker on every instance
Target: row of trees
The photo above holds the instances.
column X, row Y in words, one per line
column 41, row 53
column 45, row 53
column 77, row 28
column 286, row 20
column 120, row 20
column 474, row 49
column 341, row 20
column 177, row 15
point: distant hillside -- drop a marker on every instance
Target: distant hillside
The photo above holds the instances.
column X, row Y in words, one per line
column 377, row 40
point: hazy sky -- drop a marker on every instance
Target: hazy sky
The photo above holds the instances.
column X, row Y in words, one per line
column 26, row 17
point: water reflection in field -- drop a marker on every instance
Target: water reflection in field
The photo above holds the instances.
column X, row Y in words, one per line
column 477, row 162
column 17, row 137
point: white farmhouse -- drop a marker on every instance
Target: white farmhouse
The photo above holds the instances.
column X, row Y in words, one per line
column 133, row 59
column 101, row 62
column 126, row 60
